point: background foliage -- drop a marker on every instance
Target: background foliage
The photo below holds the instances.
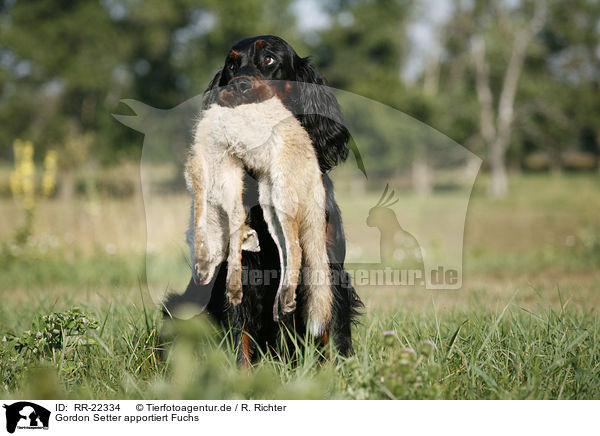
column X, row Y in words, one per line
column 64, row 66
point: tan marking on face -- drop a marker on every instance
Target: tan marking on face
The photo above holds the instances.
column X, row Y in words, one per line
column 259, row 44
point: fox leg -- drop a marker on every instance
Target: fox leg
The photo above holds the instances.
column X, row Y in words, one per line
column 268, row 205
column 284, row 202
column 250, row 239
column 237, row 232
column 195, row 179
column 319, row 302
column 286, row 298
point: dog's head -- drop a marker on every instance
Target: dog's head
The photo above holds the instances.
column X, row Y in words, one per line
column 262, row 67
column 257, row 69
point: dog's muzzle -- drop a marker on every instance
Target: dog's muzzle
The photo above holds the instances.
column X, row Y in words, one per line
column 240, row 85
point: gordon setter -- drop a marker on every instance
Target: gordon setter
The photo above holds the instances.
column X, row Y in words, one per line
column 269, row 59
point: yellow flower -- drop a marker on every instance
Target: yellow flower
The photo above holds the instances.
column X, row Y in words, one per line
column 15, row 176
column 49, row 178
column 28, row 176
column 22, row 179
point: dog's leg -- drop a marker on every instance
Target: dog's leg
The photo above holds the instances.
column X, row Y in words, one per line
column 325, row 338
column 245, row 350
column 324, row 342
column 242, row 341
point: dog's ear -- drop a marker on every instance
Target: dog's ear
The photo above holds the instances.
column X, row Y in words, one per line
column 320, row 114
column 212, row 92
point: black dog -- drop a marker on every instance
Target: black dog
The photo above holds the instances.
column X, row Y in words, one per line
column 260, row 60
column 13, row 416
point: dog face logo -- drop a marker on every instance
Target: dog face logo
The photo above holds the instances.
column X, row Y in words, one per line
column 26, row 415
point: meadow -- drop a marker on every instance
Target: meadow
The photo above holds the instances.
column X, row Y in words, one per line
column 76, row 320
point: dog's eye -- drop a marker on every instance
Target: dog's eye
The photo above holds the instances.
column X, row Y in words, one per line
column 268, row 60
column 230, row 66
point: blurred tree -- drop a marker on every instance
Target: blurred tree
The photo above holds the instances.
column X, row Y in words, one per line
column 362, row 51
column 496, row 123
column 62, row 56
column 214, row 26
column 564, row 82
column 556, row 81
column 499, row 81
column 64, row 65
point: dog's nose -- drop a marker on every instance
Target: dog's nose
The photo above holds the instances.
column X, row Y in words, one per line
column 242, row 85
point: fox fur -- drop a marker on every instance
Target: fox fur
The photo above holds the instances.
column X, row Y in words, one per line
column 268, row 140
column 217, row 230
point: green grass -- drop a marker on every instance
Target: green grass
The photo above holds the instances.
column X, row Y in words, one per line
column 476, row 354
column 525, row 324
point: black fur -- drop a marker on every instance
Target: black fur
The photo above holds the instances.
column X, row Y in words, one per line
column 320, row 114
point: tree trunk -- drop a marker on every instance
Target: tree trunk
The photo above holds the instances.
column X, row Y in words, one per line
column 421, row 177
column 471, row 167
column 498, row 186
column 496, row 128
column 598, row 152
column 67, row 184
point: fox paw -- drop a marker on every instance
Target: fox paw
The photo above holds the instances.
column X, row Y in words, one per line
column 234, row 289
